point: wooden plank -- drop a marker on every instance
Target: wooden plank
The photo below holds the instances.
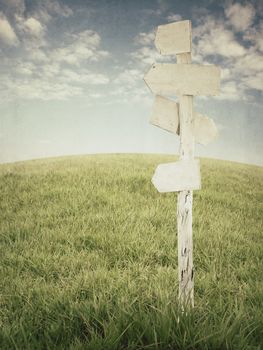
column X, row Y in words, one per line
column 165, row 114
column 183, row 79
column 178, row 176
column 174, row 38
column 185, row 199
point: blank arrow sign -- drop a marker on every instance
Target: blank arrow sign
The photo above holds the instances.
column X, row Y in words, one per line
column 205, row 129
column 165, row 115
column 179, row 176
column 183, row 79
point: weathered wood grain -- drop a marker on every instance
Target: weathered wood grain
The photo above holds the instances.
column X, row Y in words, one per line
column 185, row 200
column 178, row 176
column 183, row 79
column 205, row 129
column 165, row 115
column 174, row 38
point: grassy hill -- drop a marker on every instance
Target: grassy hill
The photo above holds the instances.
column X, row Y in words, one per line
column 89, row 256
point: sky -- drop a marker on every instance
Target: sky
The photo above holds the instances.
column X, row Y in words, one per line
column 72, row 76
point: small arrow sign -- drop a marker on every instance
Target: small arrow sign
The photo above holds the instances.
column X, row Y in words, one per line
column 174, row 38
column 205, row 129
column 179, row 176
column 183, row 79
column 165, row 115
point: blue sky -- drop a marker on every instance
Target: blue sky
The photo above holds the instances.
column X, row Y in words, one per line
column 72, row 76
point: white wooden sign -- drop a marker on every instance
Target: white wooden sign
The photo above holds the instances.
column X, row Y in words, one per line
column 179, row 176
column 205, row 129
column 183, row 79
column 174, row 38
column 165, row 115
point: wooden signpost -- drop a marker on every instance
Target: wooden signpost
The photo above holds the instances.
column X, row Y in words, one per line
column 184, row 80
column 165, row 115
column 178, row 176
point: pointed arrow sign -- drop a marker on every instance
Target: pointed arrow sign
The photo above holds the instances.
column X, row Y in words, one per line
column 183, row 79
column 174, row 38
column 165, row 115
column 205, row 129
column 179, row 176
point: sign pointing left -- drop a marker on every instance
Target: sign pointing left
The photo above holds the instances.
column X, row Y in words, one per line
column 183, row 79
column 179, row 176
column 174, row 38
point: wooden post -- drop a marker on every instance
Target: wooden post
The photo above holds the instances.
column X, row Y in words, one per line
column 184, row 80
column 185, row 199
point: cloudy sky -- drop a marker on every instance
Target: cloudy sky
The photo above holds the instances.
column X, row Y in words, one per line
column 72, row 76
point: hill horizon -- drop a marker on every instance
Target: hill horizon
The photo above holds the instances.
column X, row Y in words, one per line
column 176, row 156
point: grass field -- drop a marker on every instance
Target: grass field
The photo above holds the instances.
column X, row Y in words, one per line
column 89, row 256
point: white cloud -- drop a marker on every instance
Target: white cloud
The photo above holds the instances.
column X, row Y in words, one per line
column 52, row 74
column 83, row 46
column 225, row 74
column 250, row 64
column 220, row 42
column 31, row 32
column 173, row 17
column 41, row 89
column 48, row 82
column 34, row 27
column 50, row 69
column 25, row 68
column 213, row 38
column 84, row 76
column 240, row 16
column 7, row 33
column 45, row 10
column 35, row 71
column 129, row 77
column 147, row 55
column 37, row 55
column 254, row 82
column 145, row 38
column 230, row 91
column 125, row 95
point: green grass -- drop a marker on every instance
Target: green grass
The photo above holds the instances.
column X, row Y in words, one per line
column 89, row 256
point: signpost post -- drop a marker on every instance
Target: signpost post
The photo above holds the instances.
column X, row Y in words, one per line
column 184, row 80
